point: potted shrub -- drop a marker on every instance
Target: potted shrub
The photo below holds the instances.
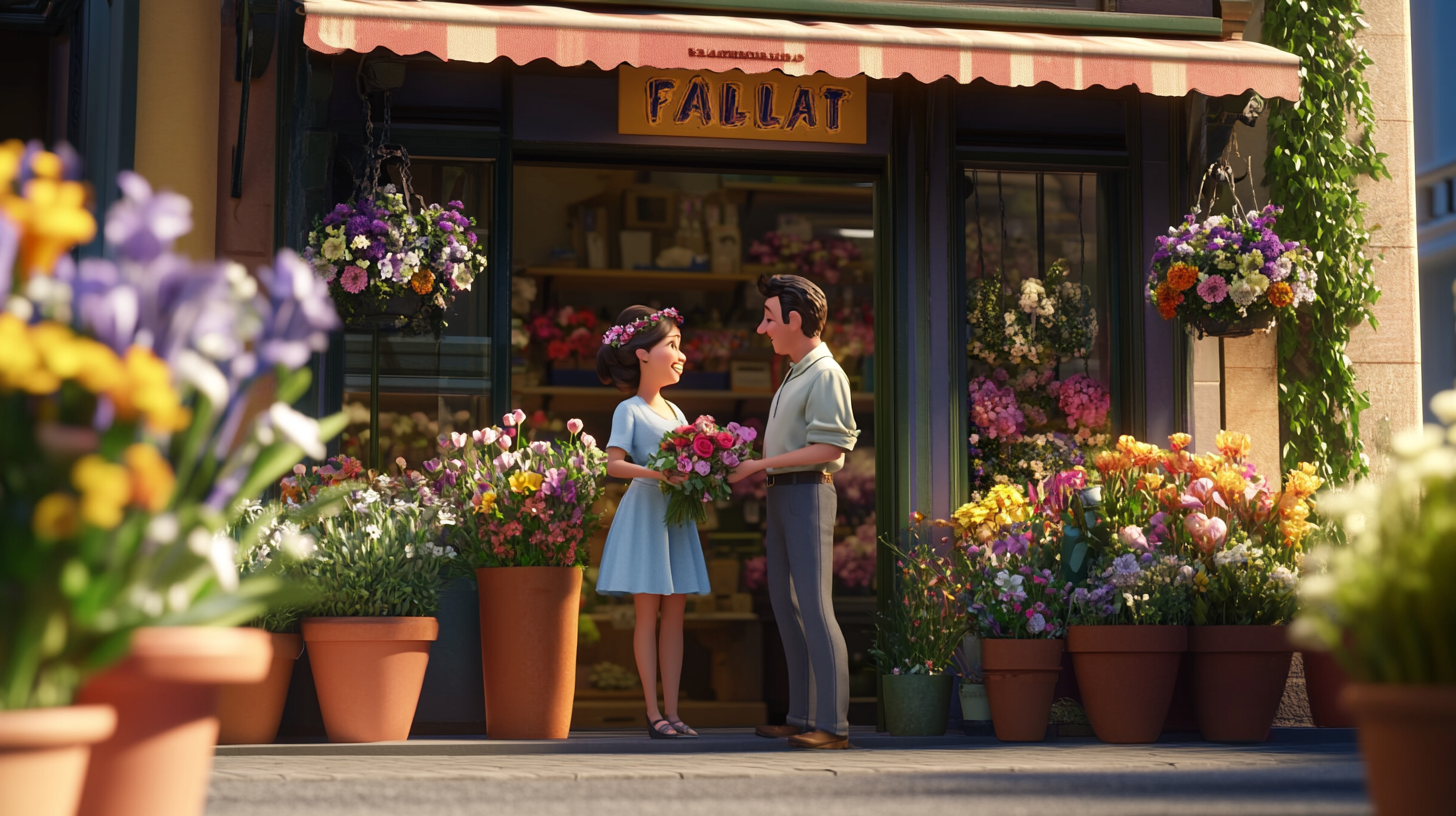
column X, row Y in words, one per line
column 526, row 511
column 375, row 579
column 1007, row 578
column 1383, row 608
column 917, row 638
column 130, row 450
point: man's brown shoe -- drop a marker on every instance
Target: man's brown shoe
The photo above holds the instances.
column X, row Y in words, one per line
column 819, row 739
column 777, row 731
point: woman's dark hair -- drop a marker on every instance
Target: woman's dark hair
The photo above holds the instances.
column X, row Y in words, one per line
column 618, row 365
column 800, row 295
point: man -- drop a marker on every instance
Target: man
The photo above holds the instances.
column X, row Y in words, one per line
column 810, row 428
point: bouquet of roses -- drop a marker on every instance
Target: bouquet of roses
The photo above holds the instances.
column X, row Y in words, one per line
column 704, row 454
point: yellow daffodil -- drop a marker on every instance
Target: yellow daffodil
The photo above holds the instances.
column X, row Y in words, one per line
column 525, row 482
column 152, row 480
column 484, row 502
column 105, row 490
column 55, row 517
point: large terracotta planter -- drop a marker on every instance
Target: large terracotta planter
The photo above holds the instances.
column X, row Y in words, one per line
column 1126, row 675
column 43, row 756
column 1021, row 677
column 368, row 673
column 165, row 695
column 1238, row 679
column 1408, row 737
column 916, row 705
column 528, row 621
column 1324, row 683
column 249, row 712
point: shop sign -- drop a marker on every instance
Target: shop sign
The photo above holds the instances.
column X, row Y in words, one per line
column 734, row 105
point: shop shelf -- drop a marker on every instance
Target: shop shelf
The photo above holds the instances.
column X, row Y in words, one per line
column 628, row 279
column 860, row 398
column 857, row 191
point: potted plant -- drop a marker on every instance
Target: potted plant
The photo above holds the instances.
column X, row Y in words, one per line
column 526, row 511
column 375, row 579
column 917, row 638
column 1008, row 581
column 130, row 447
column 1382, row 605
column 250, row 713
column 1128, row 621
column 1230, row 276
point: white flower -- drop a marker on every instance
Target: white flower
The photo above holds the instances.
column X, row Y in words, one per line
column 369, row 496
column 372, row 530
column 1185, row 575
column 1283, row 577
column 1238, row 554
column 540, row 448
column 445, row 516
column 220, row 551
column 298, row 545
column 462, row 276
column 333, row 248
column 301, row 430
column 359, row 242
column 1005, row 580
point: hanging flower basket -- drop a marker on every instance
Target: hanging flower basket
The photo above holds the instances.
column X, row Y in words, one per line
column 387, row 266
column 1230, row 276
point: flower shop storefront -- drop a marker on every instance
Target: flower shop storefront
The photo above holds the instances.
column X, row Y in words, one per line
column 979, row 207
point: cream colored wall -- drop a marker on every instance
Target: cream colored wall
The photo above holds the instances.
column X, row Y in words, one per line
column 1388, row 361
column 177, row 108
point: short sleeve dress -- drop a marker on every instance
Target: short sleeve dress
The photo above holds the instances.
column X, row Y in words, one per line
column 643, row 554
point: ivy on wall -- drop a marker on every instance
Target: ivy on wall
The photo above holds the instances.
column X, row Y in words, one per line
column 1319, row 147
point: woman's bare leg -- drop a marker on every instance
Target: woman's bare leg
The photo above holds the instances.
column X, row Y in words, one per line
column 670, row 651
column 644, row 646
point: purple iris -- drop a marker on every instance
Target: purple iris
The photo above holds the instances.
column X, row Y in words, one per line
column 301, row 314
column 143, row 224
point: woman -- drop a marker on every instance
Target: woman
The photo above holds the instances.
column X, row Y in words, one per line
column 658, row 565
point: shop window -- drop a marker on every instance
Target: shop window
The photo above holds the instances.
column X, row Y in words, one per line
column 589, row 242
column 1038, row 345
column 427, row 386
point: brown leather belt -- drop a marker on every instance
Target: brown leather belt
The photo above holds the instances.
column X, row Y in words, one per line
column 799, row 477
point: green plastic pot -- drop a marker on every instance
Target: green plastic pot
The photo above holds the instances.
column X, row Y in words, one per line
column 917, row 705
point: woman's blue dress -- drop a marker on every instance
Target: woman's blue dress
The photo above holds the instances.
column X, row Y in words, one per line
column 643, row 554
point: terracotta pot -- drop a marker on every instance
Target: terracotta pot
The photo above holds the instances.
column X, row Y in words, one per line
column 1324, row 682
column 1182, row 713
column 917, row 705
column 528, row 620
column 1021, row 677
column 368, row 673
column 1408, row 737
column 165, row 695
column 249, row 712
column 1238, row 679
column 1126, row 674
column 43, row 755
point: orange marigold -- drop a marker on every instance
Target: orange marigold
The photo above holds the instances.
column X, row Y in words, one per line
column 1168, row 300
column 423, row 281
column 1280, row 295
column 1182, row 277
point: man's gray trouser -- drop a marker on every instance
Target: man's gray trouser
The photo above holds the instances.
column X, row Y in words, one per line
column 800, row 554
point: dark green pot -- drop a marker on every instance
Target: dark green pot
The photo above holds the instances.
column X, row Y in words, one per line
column 917, row 705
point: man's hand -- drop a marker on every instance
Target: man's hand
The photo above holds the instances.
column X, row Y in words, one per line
column 744, row 470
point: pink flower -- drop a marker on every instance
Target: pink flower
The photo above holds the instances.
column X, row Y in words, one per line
column 1208, row 533
column 747, row 434
column 519, row 415
column 574, row 426
column 1213, row 289
column 703, row 445
column 504, row 442
column 702, row 467
column 755, row 573
column 589, row 440
column 684, row 464
column 1133, row 537
column 354, row 280
column 994, row 410
column 1083, row 400
column 509, row 420
column 728, row 458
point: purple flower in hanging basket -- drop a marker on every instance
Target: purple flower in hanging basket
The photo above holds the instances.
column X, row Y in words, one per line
column 1213, row 289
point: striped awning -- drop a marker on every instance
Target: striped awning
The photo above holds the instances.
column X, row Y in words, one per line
column 569, row 37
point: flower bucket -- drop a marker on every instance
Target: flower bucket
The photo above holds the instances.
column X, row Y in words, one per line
column 1238, row 679
column 1021, row 679
column 1126, row 675
column 43, row 756
column 917, row 705
column 249, row 713
column 1324, row 683
column 1256, row 323
column 975, row 707
column 159, row 760
column 528, row 629
column 1408, row 738
column 368, row 673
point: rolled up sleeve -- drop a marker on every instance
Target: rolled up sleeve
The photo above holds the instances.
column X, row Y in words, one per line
column 828, row 412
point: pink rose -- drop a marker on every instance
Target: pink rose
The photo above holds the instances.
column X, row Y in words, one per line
column 725, row 439
column 684, row 464
column 703, row 446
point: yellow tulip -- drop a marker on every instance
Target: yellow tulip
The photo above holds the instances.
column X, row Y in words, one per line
column 526, row 482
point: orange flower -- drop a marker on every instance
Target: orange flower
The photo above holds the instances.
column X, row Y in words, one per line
column 1168, row 300
column 1280, row 295
column 1179, row 441
column 1177, row 461
column 1150, row 481
column 1141, row 454
column 152, row 479
column 1182, row 277
column 1110, row 462
column 1200, row 467
column 1232, row 444
column 1231, row 484
column 1302, row 482
column 423, row 281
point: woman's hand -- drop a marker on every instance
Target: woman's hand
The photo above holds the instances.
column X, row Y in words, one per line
column 744, row 470
column 672, row 477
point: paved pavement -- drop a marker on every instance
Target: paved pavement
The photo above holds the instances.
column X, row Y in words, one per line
column 731, row 771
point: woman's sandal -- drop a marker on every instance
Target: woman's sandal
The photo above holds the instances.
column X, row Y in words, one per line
column 657, row 733
column 682, row 728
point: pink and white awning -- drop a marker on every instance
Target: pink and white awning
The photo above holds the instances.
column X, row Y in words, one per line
column 569, row 37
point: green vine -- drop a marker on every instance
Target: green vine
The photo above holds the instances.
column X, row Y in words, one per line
column 1315, row 160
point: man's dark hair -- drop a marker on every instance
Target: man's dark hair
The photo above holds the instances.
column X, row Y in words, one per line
column 800, row 295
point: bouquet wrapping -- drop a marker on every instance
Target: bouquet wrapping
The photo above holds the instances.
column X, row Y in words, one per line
column 703, row 454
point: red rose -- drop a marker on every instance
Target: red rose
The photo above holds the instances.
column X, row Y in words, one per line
column 725, row 439
column 703, row 446
column 682, row 442
column 684, row 429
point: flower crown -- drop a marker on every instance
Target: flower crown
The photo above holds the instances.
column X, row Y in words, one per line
column 619, row 335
